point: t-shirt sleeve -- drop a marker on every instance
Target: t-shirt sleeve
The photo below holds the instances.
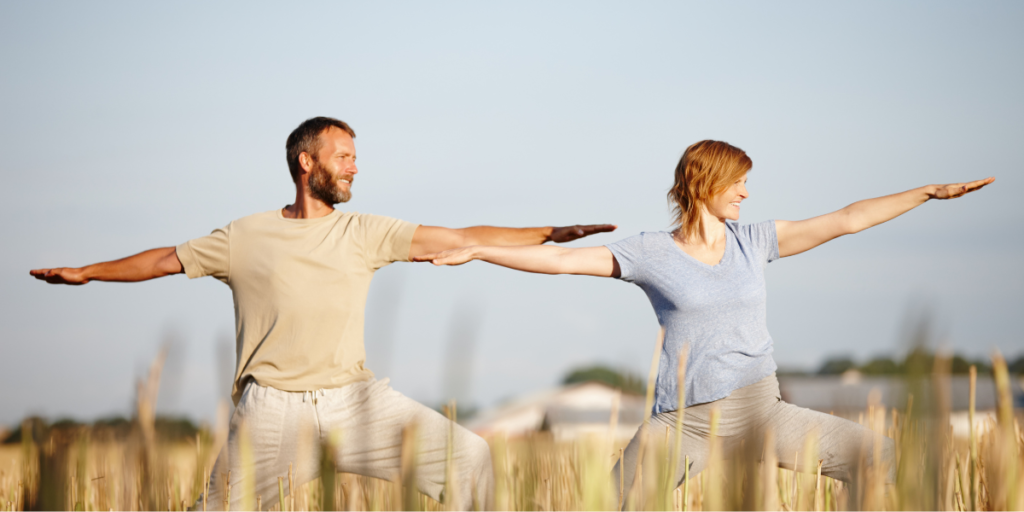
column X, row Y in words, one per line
column 628, row 253
column 386, row 240
column 207, row 256
column 764, row 238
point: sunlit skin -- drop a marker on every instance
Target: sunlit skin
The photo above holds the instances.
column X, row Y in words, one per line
column 725, row 206
column 337, row 155
column 794, row 237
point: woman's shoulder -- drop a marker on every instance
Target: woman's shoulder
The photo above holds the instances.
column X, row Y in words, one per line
column 759, row 235
column 751, row 231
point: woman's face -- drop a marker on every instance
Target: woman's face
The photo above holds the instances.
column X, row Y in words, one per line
column 727, row 204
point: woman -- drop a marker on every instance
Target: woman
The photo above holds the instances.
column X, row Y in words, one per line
column 705, row 280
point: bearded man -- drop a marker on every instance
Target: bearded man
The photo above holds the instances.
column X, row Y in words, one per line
column 300, row 276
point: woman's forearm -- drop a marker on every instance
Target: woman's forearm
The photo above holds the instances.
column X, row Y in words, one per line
column 540, row 259
column 872, row 212
column 796, row 237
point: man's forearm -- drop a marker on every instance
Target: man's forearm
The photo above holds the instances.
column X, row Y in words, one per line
column 146, row 265
column 490, row 235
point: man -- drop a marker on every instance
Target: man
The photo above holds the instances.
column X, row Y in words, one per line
column 300, row 276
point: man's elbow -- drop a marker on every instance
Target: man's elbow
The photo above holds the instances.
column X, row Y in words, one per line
column 169, row 263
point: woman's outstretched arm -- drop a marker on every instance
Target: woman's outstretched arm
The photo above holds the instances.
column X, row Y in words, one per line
column 796, row 237
column 541, row 259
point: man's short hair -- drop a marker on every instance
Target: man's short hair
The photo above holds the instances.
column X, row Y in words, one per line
column 306, row 139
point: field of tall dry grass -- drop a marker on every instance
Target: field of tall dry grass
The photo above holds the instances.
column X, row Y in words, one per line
column 82, row 469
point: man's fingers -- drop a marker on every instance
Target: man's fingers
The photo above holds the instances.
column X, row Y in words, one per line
column 590, row 229
column 59, row 275
column 598, row 228
column 46, row 274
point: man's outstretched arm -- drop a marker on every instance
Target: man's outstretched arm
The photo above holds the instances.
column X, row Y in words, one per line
column 433, row 239
column 143, row 266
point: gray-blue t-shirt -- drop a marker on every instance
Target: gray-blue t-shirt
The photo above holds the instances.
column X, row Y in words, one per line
column 720, row 310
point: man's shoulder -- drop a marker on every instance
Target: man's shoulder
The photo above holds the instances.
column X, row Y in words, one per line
column 257, row 218
column 339, row 222
column 370, row 220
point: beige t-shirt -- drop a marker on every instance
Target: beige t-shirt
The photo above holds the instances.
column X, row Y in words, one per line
column 300, row 289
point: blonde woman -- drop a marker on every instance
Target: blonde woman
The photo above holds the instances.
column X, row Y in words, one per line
column 705, row 280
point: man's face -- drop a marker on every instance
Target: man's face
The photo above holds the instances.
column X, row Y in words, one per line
column 334, row 167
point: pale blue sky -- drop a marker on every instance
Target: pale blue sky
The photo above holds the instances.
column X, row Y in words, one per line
column 126, row 126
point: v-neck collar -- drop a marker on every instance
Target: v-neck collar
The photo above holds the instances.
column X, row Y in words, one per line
column 710, row 268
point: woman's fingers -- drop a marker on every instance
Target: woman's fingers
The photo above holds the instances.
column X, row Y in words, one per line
column 449, row 257
column 975, row 185
column 958, row 189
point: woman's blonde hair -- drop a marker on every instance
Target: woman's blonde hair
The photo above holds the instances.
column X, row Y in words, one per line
column 707, row 168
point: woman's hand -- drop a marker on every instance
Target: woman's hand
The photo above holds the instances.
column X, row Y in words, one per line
column 450, row 257
column 957, row 189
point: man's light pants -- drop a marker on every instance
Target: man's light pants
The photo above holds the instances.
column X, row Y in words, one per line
column 366, row 420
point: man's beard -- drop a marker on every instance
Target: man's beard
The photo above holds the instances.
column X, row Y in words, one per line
column 324, row 187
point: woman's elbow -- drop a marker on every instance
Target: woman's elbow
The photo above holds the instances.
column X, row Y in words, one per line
column 849, row 223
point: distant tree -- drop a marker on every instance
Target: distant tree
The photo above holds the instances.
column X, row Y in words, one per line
column 880, row 366
column 959, row 365
column 175, row 429
column 836, row 366
column 65, row 423
column 919, row 361
column 113, row 422
column 37, row 428
column 1017, row 366
column 624, row 381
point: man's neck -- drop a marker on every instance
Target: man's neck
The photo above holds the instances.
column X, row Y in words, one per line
column 306, row 207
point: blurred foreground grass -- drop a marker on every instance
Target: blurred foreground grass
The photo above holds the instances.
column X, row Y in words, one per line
column 80, row 468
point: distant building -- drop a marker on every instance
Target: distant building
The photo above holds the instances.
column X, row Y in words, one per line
column 567, row 412
column 849, row 392
column 847, row 395
column 578, row 409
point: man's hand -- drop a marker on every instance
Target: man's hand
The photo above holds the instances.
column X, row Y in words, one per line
column 570, row 233
column 72, row 276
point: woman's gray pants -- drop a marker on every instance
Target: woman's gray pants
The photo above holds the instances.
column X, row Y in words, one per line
column 745, row 415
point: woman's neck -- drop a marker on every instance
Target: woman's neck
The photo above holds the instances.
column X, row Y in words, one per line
column 713, row 230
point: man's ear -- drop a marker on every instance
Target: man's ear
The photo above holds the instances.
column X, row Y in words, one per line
column 305, row 161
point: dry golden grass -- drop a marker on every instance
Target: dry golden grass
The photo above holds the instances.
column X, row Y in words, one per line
column 77, row 470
